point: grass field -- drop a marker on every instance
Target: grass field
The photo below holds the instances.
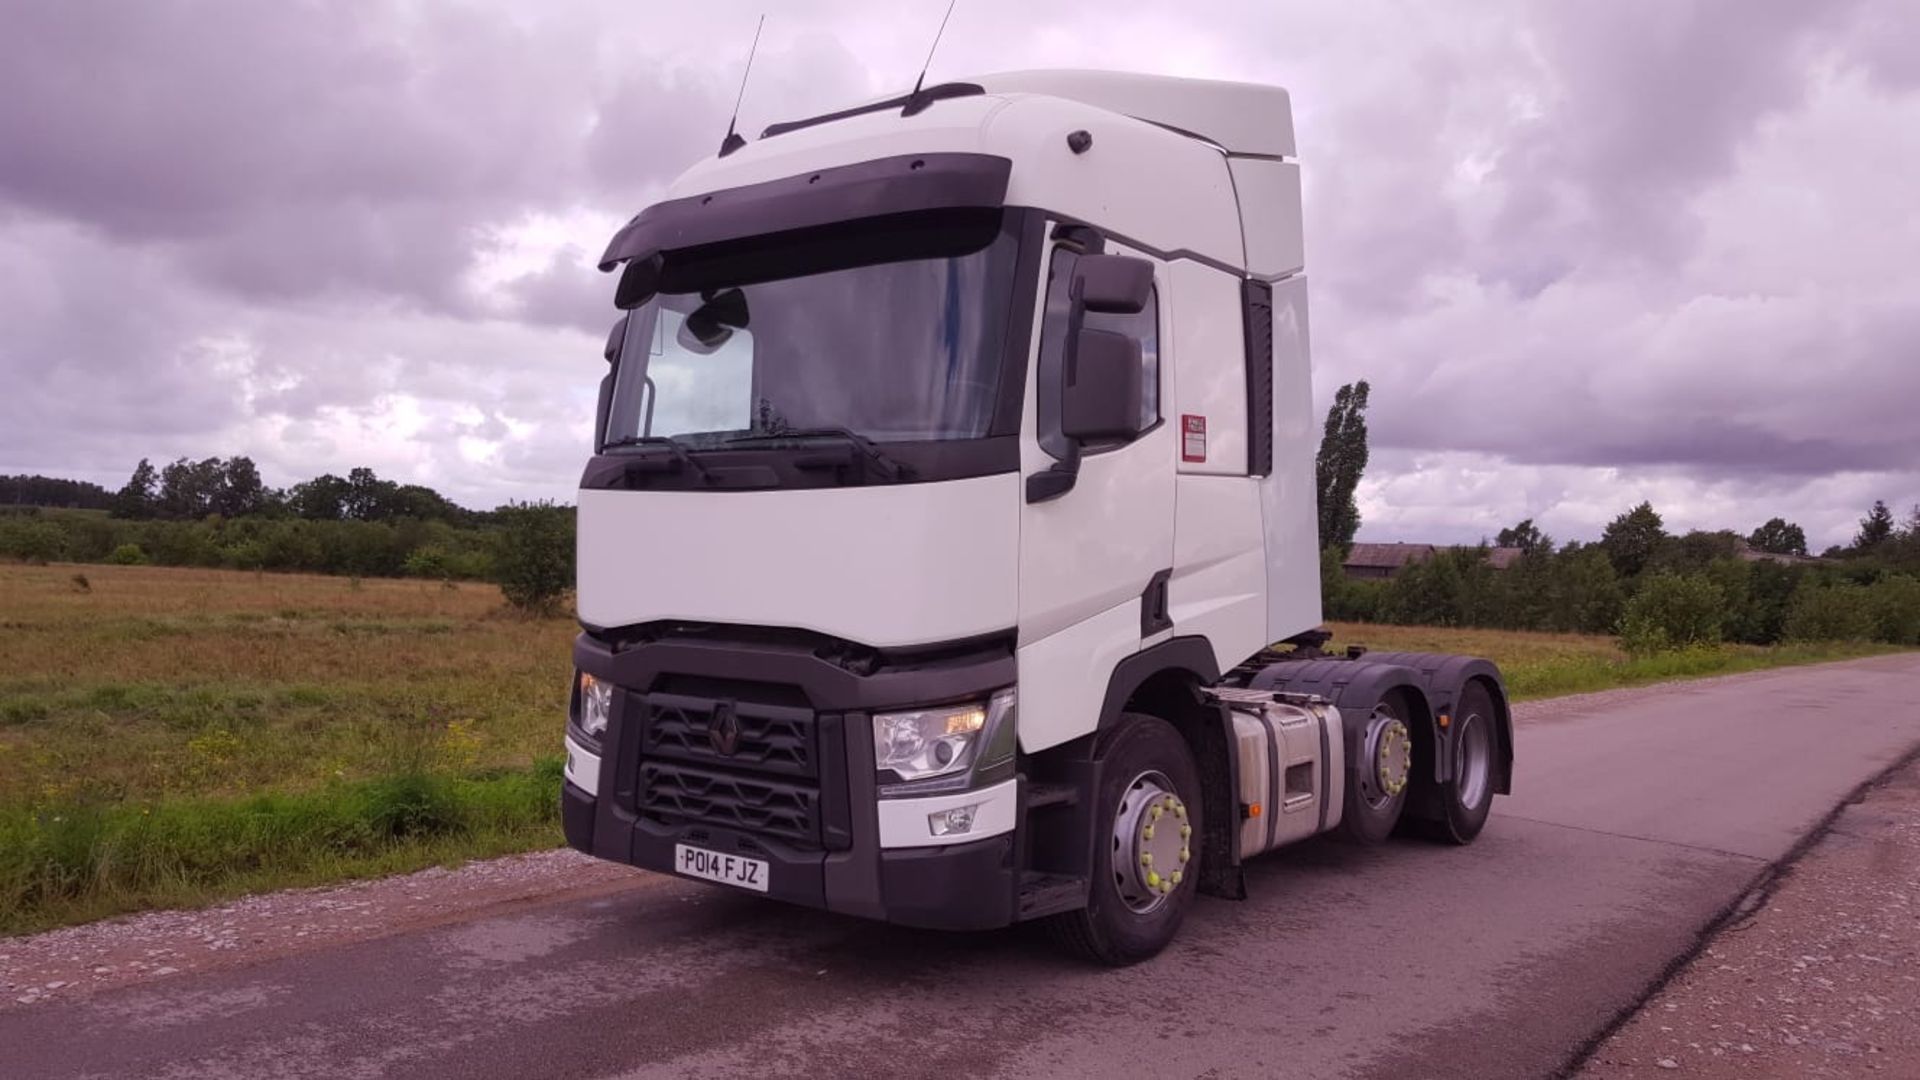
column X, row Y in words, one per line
column 172, row 736
column 169, row 735
column 1538, row 665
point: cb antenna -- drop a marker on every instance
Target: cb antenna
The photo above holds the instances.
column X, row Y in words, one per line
column 916, row 101
column 733, row 141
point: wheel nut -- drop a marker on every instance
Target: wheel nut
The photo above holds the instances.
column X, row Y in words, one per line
column 1146, row 858
column 1146, row 833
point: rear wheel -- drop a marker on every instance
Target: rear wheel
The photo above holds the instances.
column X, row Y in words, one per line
column 1147, row 845
column 1461, row 805
column 1377, row 782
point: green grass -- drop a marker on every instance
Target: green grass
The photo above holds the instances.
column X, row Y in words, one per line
column 174, row 737
column 67, row 864
column 1539, row 665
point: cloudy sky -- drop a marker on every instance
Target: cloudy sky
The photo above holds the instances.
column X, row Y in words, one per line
column 1586, row 253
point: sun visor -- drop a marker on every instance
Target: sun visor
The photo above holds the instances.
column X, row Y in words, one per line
column 892, row 185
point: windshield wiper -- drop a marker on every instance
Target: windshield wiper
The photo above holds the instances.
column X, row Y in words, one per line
column 888, row 467
column 673, row 446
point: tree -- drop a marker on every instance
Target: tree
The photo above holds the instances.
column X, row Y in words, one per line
column 1586, row 591
column 323, row 498
column 1875, row 529
column 53, row 491
column 534, row 560
column 240, row 491
column 190, row 490
column 1779, row 537
column 1337, row 468
column 1527, row 537
column 1631, row 539
column 136, row 499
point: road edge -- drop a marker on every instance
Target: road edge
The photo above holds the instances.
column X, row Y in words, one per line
column 1750, row 899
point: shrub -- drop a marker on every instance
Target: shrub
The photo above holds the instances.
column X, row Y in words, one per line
column 128, row 555
column 1672, row 611
column 1895, row 604
column 534, row 558
column 32, row 540
column 431, row 561
column 1839, row 612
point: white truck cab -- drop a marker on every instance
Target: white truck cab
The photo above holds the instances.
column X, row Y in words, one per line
column 953, row 479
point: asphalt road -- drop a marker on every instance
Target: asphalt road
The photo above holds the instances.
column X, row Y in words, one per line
column 1638, row 818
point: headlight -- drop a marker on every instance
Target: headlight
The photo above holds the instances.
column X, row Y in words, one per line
column 592, row 706
column 939, row 742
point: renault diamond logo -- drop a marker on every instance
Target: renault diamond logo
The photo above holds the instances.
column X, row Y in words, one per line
column 723, row 729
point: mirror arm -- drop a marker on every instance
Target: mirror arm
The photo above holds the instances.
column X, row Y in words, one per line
column 646, row 422
column 1057, row 479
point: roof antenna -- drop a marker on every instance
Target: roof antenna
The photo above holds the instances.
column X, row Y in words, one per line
column 917, row 101
column 734, row 141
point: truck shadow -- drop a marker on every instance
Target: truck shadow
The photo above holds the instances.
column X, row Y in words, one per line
column 1287, row 889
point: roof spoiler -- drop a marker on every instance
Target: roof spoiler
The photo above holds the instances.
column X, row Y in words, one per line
column 890, row 185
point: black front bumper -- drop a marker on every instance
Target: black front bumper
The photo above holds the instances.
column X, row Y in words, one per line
column 970, row 886
column 837, row 864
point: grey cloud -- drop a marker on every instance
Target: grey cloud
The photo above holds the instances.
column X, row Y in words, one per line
column 1648, row 102
column 568, row 292
column 239, row 227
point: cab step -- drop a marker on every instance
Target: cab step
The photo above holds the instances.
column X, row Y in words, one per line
column 1050, row 894
column 1044, row 795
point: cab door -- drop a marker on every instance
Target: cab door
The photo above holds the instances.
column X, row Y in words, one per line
column 1091, row 553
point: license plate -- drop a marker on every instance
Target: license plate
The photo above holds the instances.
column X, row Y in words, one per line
column 736, row 870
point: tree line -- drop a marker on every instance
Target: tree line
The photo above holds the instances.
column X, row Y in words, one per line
column 1655, row 590
column 217, row 512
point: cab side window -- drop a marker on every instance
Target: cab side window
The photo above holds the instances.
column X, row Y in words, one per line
column 1143, row 326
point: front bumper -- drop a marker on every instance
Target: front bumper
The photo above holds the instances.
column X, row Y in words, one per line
column 876, row 858
column 951, row 886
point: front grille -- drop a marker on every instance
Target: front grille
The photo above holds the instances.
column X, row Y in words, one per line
column 725, row 754
column 677, row 793
column 759, row 738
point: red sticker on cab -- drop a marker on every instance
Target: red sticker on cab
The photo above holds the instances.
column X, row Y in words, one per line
column 1193, row 438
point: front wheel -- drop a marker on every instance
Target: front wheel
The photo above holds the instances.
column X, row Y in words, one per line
column 1147, row 845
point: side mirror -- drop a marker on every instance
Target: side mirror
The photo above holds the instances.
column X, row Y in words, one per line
column 638, row 282
column 1113, row 284
column 616, row 337
column 1101, row 399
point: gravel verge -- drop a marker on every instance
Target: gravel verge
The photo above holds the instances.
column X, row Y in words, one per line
column 80, row 960
column 1823, row 980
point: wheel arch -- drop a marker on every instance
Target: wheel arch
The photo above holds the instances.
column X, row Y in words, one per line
column 1354, row 686
column 1445, row 678
column 1167, row 681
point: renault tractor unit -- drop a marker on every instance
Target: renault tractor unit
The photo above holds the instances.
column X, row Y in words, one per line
column 952, row 484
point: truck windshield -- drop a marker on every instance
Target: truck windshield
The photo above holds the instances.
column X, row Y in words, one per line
column 892, row 333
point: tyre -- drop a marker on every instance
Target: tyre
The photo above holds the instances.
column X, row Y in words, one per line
column 1378, row 777
column 1147, row 851
column 1457, row 810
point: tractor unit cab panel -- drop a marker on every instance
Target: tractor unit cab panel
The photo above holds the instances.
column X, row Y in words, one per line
column 951, row 480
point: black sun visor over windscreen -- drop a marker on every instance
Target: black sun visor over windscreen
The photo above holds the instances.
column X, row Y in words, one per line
column 891, row 185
